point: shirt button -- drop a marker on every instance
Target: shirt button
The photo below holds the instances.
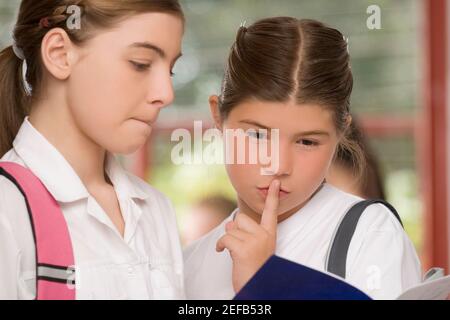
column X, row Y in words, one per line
column 130, row 270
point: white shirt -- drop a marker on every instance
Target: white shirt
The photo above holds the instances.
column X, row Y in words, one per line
column 145, row 264
column 381, row 260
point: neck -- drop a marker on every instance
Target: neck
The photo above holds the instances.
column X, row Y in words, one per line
column 56, row 124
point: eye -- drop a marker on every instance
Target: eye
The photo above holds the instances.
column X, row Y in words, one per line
column 140, row 67
column 258, row 134
column 308, row 143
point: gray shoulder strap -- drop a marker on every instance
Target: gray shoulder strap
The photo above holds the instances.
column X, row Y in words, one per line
column 337, row 256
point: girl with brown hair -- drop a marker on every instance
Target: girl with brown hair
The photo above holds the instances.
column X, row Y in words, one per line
column 84, row 80
column 294, row 76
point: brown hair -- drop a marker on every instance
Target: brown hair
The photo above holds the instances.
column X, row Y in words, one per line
column 371, row 180
column 282, row 58
column 34, row 20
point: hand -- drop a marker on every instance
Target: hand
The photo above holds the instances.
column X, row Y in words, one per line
column 251, row 244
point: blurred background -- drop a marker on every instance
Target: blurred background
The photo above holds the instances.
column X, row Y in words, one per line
column 399, row 99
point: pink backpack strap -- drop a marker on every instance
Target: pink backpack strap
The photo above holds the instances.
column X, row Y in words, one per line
column 55, row 265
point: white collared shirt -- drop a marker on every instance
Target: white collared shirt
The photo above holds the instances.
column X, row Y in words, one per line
column 144, row 264
column 381, row 260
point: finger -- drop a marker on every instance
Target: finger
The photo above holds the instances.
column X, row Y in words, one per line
column 239, row 234
column 230, row 226
column 269, row 219
column 247, row 224
column 228, row 242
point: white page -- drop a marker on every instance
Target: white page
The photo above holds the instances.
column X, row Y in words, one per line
column 438, row 289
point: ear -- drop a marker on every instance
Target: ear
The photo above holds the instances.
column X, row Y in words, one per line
column 57, row 53
column 215, row 112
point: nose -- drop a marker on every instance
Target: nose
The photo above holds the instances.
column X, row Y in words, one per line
column 161, row 93
column 285, row 161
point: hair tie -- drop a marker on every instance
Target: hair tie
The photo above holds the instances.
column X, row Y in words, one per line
column 243, row 26
column 346, row 41
column 44, row 22
column 26, row 85
column 18, row 52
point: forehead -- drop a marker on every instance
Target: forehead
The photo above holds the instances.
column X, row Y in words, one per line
column 163, row 30
column 289, row 117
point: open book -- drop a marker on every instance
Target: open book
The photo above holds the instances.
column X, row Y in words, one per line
column 281, row 279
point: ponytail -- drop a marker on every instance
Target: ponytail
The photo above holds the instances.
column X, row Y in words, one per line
column 351, row 151
column 14, row 102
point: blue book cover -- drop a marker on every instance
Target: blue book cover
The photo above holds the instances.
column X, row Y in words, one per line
column 281, row 279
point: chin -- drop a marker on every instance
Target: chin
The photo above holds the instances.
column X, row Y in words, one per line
column 283, row 207
column 125, row 149
column 256, row 206
column 132, row 149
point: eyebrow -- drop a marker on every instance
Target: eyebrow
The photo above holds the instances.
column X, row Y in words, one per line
column 158, row 50
column 303, row 133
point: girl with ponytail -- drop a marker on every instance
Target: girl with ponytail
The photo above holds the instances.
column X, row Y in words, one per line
column 294, row 76
column 85, row 80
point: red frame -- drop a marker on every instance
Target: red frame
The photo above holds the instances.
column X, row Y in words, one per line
column 433, row 142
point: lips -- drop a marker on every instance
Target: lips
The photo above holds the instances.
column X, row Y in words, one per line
column 145, row 121
column 281, row 194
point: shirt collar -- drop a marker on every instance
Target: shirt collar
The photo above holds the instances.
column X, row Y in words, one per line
column 313, row 206
column 122, row 181
column 58, row 176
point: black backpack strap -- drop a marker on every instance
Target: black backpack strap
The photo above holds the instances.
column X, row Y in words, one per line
column 337, row 257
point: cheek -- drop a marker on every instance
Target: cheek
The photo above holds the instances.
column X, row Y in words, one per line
column 242, row 175
column 102, row 101
column 94, row 93
column 244, row 179
column 106, row 86
column 312, row 167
